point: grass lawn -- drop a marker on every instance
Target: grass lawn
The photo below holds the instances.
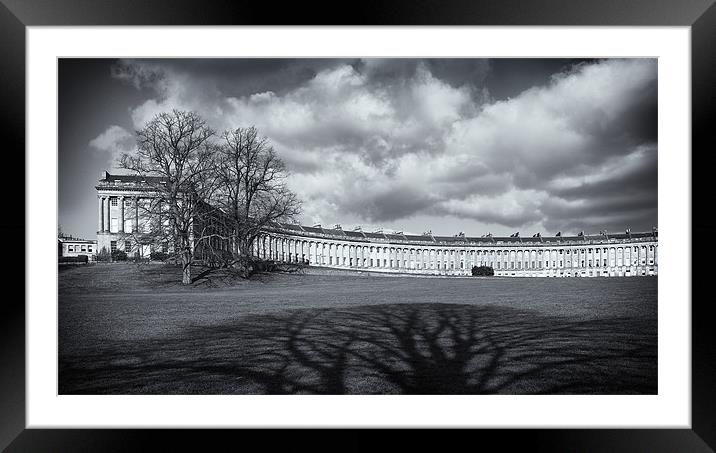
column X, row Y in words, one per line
column 128, row 329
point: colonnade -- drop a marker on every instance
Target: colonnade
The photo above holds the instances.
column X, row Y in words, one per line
column 622, row 258
column 105, row 203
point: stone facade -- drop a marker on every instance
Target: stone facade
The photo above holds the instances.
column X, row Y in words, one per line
column 118, row 213
column 123, row 223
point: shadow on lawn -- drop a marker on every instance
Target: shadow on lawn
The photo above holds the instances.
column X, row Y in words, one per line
column 401, row 348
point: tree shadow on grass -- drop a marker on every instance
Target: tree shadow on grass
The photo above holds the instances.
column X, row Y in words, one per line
column 381, row 349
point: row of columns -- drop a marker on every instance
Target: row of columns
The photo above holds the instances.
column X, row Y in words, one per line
column 330, row 253
column 104, row 213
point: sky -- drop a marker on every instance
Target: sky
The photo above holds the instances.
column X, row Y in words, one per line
column 444, row 145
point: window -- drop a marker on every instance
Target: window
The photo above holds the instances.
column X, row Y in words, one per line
column 70, row 248
column 89, row 248
column 113, row 246
column 127, row 246
column 84, row 248
column 113, row 201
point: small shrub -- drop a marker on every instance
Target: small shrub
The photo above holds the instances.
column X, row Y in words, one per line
column 482, row 271
column 74, row 259
column 119, row 255
column 103, row 255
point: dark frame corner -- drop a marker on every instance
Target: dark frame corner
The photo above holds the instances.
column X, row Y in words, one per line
column 16, row 15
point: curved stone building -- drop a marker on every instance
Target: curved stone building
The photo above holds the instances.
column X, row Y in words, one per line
column 628, row 254
column 607, row 255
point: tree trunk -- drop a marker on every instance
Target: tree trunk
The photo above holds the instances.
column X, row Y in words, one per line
column 186, row 263
column 244, row 259
column 186, row 269
column 243, row 249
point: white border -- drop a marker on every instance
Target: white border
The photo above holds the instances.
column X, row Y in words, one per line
column 670, row 408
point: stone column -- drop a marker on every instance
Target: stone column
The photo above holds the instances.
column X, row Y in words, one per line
column 107, row 218
column 136, row 215
column 121, row 214
column 100, row 226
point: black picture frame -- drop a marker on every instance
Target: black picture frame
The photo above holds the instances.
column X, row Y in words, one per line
column 700, row 15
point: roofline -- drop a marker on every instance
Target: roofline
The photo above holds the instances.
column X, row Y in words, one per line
column 491, row 241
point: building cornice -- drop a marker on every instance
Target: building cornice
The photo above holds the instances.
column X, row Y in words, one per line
column 494, row 242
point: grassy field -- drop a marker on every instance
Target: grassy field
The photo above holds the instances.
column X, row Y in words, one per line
column 127, row 329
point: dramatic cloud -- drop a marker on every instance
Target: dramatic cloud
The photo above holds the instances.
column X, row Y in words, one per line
column 382, row 142
column 113, row 142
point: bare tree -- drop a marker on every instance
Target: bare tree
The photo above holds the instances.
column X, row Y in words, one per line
column 251, row 188
column 174, row 157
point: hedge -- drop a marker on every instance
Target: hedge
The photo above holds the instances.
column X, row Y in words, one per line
column 74, row 259
column 482, row 271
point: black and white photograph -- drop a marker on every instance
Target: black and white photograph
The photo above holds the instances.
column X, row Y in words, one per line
column 357, row 226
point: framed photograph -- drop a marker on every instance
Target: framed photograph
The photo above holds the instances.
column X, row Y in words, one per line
column 485, row 225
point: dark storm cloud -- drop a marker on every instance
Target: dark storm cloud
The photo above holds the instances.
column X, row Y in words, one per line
column 388, row 205
column 637, row 177
column 227, row 76
column 457, row 72
column 539, row 143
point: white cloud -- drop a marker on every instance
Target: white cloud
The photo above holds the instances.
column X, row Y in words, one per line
column 113, row 142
